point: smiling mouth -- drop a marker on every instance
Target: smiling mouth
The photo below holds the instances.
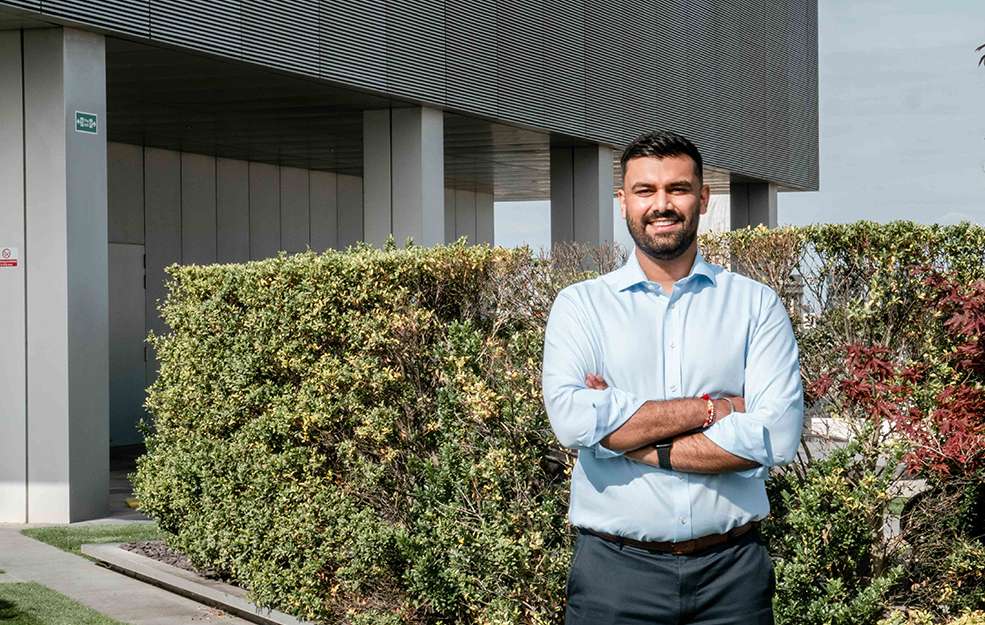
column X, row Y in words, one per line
column 663, row 225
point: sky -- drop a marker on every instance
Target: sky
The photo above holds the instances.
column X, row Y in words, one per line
column 902, row 120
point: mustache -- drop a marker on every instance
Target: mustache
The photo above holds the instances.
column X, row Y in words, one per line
column 652, row 217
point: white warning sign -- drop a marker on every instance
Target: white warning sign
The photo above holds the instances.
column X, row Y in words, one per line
column 8, row 256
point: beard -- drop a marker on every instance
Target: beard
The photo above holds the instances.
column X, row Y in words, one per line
column 664, row 246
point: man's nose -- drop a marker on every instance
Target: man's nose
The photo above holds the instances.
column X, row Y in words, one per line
column 662, row 201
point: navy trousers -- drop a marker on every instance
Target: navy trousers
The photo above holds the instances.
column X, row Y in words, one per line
column 611, row 584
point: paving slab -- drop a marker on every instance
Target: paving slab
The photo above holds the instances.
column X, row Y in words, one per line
column 108, row 592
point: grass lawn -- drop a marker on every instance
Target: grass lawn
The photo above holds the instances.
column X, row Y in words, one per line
column 71, row 539
column 33, row 604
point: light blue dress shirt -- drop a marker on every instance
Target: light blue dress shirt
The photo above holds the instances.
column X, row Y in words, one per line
column 718, row 333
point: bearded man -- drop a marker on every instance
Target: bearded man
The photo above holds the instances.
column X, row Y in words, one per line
column 678, row 382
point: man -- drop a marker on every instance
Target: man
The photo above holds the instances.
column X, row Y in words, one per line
column 679, row 385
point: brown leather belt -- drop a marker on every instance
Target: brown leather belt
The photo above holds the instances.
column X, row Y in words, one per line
column 681, row 548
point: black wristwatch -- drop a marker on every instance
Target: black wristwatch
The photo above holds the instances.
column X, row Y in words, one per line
column 663, row 453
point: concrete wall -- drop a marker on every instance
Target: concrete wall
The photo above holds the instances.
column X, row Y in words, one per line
column 469, row 214
column 169, row 207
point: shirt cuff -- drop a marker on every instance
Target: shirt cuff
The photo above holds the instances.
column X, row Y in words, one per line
column 613, row 411
column 742, row 435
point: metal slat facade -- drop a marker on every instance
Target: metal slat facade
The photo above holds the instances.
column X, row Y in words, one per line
column 30, row 5
column 605, row 82
column 564, row 64
column 520, row 68
column 208, row 25
column 353, row 42
column 125, row 16
column 281, row 33
column 470, row 54
column 738, row 76
column 416, row 49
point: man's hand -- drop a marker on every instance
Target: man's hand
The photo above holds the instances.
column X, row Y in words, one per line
column 595, row 382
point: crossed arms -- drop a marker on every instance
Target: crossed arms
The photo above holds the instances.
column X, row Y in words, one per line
column 676, row 419
column 589, row 415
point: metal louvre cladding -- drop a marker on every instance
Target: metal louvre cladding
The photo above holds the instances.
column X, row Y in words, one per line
column 738, row 76
column 125, row 16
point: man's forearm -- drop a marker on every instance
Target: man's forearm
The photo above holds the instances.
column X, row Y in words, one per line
column 660, row 420
column 695, row 453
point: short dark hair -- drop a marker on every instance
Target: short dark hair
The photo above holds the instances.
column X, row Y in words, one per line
column 662, row 144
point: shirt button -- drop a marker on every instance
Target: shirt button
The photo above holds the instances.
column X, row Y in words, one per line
column 673, row 344
column 673, row 387
column 680, row 476
column 683, row 520
column 671, row 306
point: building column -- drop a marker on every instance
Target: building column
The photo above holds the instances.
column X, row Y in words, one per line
column 13, row 353
column 59, row 426
column 752, row 204
column 403, row 176
column 581, row 195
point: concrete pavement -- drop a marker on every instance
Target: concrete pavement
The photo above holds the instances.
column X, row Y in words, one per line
column 113, row 594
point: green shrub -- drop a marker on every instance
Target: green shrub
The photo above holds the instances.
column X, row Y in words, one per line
column 362, row 433
column 360, row 437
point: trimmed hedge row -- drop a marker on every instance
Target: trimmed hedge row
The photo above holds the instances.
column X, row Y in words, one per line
column 360, row 437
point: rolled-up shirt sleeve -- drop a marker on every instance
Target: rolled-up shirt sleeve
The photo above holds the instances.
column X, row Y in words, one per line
column 769, row 431
column 580, row 416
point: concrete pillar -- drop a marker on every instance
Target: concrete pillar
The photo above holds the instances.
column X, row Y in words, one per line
column 13, row 363
column 403, row 174
column 55, row 435
column 581, row 195
column 752, row 204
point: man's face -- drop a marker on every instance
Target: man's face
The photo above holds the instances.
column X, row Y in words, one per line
column 662, row 200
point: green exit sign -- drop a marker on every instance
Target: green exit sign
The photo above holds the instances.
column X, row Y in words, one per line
column 86, row 122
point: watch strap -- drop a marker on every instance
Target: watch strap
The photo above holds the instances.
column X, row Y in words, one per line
column 663, row 455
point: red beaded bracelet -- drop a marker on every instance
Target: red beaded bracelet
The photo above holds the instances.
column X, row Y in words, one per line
column 711, row 411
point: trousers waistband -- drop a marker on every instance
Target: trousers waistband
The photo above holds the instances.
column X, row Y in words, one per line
column 680, row 548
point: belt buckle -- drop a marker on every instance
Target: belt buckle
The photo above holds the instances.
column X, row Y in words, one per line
column 685, row 547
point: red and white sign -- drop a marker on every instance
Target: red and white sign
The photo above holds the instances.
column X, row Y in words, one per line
column 8, row 256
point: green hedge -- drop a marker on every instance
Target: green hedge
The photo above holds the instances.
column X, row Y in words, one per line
column 360, row 437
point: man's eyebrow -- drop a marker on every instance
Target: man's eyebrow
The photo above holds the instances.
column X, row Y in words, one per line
column 686, row 184
column 643, row 185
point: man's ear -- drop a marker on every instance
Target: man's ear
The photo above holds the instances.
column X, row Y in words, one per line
column 705, row 198
column 622, row 202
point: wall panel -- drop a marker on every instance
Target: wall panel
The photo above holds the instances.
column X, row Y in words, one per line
column 125, row 178
column 323, row 199
column 264, row 211
column 198, row 209
column 162, row 235
column 350, row 210
column 232, row 211
column 127, row 374
column 295, row 233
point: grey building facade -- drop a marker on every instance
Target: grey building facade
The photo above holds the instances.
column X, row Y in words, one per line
column 136, row 134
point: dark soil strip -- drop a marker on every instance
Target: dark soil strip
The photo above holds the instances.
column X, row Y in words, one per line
column 159, row 550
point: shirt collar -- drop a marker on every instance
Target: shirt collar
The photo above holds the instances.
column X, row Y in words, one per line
column 631, row 273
